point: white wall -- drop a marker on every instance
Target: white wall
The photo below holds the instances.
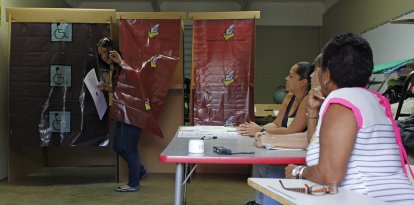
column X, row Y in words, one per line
column 4, row 50
column 392, row 42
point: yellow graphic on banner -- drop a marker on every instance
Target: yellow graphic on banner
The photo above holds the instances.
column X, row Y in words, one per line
column 154, row 31
column 154, row 60
column 147, row 105
column 228, row 80
column 229, row 32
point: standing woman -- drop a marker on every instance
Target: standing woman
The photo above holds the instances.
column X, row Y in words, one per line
column 125, row 136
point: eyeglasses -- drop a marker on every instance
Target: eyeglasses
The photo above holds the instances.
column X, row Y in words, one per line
column 313, row 190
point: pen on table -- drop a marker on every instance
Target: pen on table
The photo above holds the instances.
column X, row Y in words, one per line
column 209, row 137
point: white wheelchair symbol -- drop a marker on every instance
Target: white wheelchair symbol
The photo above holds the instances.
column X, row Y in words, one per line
column 61, row 31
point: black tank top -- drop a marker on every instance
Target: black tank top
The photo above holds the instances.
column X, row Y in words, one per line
column 286, row 117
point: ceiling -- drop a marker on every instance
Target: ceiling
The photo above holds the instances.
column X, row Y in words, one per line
column 273, row 12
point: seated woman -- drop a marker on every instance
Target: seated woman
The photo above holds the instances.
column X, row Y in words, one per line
column 295, row 140
column 292, row 113
column 292, row 109
column 354, row 144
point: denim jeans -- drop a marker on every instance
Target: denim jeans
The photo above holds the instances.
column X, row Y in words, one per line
column 125, row 143
column 267, row 171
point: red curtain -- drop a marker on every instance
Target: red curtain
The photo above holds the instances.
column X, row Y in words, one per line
column 223, row 63
column 151, row 49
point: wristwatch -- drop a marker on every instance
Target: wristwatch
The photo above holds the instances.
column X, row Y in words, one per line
column 296, row 171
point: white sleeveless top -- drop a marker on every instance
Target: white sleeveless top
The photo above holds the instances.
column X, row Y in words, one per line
column 374, row 167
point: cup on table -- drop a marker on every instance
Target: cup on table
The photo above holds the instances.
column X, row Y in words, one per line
column 196, row 146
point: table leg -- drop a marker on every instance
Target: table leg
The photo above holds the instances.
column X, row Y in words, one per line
column 178, row 184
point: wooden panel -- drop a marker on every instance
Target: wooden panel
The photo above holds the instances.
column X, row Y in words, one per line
column 61, row 15
column 151, row 15
column 264, row 110
column 80, row 156
column 224, row 15
column 24, row 161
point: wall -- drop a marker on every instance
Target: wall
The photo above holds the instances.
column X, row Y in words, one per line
column 277, row 49
column 358, row 16
column 391, row 42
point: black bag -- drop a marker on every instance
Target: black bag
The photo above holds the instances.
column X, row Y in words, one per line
column 407, row 133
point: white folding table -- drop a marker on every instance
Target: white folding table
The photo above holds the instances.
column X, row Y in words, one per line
column 177, row 152
column 272, row 188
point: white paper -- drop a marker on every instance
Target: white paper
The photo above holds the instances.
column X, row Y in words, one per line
column 208, row 131
column 283, row 148
column 91, row 82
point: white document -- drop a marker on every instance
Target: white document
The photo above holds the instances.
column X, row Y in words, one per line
column 91, row 82
column 220, row 132
column 283, row 148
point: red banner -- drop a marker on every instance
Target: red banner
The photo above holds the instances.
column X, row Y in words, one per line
column 151, row 49
column 223, row 63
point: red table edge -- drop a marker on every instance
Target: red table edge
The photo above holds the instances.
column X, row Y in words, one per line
column 230, row 160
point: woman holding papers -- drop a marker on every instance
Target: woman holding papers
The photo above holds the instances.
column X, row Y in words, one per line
column 356, row 144
column 292, row 113
column 125, row 136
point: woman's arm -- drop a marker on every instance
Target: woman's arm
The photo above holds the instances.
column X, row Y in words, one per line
column 315, row 101
column 298, row 124
column 251, row 128
column 337, row 138
column 295, row 140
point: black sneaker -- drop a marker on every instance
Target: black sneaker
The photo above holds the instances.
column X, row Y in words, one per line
column 143, row 175
column 126, row 189
column 252, row 203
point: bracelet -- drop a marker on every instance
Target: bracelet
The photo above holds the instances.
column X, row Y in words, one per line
column 301, row 172
column 296, row 171
column 312, row 117
column 263, row 129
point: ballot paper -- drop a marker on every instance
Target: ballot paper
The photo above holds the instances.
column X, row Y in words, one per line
column 91, row 82
column 283, row 148
column 207, row 131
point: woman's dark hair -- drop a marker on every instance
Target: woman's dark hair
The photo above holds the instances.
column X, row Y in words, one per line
column 348, row 57
column 108, row 44
column 304, row 70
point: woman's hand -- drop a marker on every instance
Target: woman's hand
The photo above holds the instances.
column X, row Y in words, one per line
column 115, row 57
column 315, row 99
column 288, row 171
column 262, row 139
column 103, row 86
column 248, row 129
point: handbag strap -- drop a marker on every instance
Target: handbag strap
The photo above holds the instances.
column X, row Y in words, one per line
column 403, row 154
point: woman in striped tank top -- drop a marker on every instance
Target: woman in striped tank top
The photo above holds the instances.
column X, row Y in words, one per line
column 356, row 143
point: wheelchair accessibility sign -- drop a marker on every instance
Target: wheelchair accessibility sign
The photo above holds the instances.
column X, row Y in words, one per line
column 61, row 32
column 59, row 121
column 60, row 75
